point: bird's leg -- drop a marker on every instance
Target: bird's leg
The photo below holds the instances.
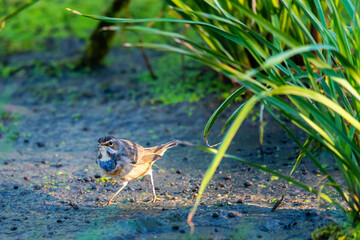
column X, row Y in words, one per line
column 153, row 188
column 112, row 198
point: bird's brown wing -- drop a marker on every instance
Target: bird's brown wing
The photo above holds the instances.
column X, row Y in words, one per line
column 140, row 155
column 131, row 150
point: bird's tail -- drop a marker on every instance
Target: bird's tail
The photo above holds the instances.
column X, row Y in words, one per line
column 160, row 150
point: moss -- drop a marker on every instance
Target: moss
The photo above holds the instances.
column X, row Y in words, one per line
column 333, row 231
column 170, row 87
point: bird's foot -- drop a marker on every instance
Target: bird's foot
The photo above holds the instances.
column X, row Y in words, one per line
column 155, row 199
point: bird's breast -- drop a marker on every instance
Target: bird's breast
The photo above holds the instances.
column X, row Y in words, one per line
column 107, row 166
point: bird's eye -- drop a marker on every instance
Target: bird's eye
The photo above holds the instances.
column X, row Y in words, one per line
column 110, row 143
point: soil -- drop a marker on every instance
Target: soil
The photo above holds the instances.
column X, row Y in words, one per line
column 50, row 186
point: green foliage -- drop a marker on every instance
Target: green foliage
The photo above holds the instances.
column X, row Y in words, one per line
column 333, row 231
column 48, row 21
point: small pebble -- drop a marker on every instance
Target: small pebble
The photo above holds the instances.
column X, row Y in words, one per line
column 43, row 162
column 26, row 141
column 227, row 177
column 185, row 159
column 97, row 176
column 172, row 184
column 6, row 163
column 16, row 187
column 40, row 144
column 175, row 227
column 13, row 228
column 37, row 186
column 59, row 221
column 240, row 201
column 231, row 215
column 259, row 236
column 248, row 183
column 221, row 184
column 215, row 215
column 26, row 178
column 283, row 186
column 194, row 195
column 59, row 164
column 85, row 129
column 178, row 171
column 87, row 179
column 157, row 188
column 317, row 171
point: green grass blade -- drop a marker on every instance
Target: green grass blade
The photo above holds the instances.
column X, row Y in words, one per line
column 221, row 108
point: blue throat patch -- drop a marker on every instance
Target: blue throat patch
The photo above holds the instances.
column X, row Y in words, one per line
column 107, row 166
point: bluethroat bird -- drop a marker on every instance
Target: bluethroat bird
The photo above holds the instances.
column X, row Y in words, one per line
column 125, row 161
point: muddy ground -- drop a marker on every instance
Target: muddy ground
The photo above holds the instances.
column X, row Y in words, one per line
column 50, row 186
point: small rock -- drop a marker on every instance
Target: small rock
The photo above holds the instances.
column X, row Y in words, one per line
column 178, row 171
column 37, row 186
column 240, row 201
column 97, row 176
column 221, row 184
column 157, row 188
column 13, row 228
column 87, row 179
column 248, row 183
column 227, row 177
column 175, row 227
column 40, row 144
column 194, row 195
column 43, row 162
column 66, row 217
column 215, row 215
column 26, row 141
column 231, row 215
column 185, row 159
column 59, row 221
column 317, row 171
column 283, row 186
column 59, row 164
column 259, row 236
column 85, row 129
column 26, row 178
column 172, row 184
column 16, row 187
column 6, row 163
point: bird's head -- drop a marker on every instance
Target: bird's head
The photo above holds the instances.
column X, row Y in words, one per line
column 108, row 147
column 109, row 142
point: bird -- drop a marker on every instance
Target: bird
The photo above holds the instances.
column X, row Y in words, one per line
column 125, row 161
